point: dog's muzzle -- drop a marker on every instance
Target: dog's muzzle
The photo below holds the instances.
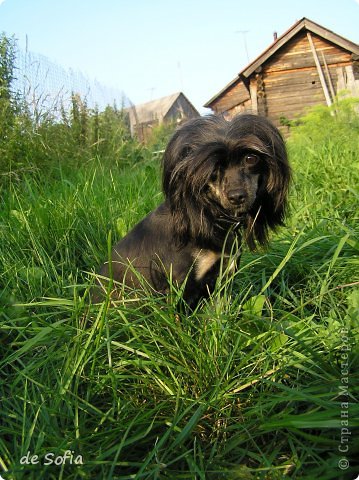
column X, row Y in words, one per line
column 236, row 197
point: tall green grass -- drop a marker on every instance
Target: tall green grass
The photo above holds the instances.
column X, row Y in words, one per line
column 249, row 386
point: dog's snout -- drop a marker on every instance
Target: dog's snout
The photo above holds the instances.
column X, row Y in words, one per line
column 236, row 197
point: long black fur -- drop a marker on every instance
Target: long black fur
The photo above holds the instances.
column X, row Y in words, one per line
column 222, row 181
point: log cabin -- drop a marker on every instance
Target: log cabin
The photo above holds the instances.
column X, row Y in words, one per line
column 173, row 109
column 306, row 66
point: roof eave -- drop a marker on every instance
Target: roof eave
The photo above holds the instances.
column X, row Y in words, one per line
column 219, row 94
column 276, row 45
column 332, row 36
column 304, row 23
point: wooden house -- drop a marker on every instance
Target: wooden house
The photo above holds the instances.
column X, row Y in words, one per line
column 174, row 108
column 306, row 66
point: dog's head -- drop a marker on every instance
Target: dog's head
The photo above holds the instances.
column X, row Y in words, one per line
column 220, row 174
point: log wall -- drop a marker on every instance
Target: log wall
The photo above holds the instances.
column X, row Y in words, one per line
column 291, row 78
column 238, row 94
column 288, row 83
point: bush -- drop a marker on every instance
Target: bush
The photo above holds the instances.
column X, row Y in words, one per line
column 41, row 141
column 324, row 153
column 338, row 124
column 160, row 136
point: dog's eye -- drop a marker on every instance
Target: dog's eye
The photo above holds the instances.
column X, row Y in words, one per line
column 251, row 159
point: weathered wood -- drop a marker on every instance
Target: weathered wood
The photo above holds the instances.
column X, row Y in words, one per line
column 306, row 25
column 288, row 77
column 293, row 97
column 320, row 71
column 297, row 54
column 296, row 78
column 292, row 89
column 347, row 81
column 238, row 94
column 330, row 83
column 253, row 93
column 144, row 117
column 292, row 103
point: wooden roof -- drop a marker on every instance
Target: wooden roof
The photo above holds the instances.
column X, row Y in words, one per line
column 155, row 109
column 303, row 24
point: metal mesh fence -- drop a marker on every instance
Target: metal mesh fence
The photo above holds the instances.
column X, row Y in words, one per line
column 48, row 87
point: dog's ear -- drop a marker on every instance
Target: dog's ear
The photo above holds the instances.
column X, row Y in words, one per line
column 271, row 206
column 185, row 206
column 182, row 161
column 174, row 170
column 187, row 139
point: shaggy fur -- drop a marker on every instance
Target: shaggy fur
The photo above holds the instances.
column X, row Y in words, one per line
column 222, row 180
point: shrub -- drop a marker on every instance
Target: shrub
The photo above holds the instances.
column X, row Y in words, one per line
column 40, row 141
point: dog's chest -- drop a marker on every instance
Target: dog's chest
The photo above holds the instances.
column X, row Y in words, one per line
column 204, row 261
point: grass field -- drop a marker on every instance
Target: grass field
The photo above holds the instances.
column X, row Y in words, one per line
column 261, row 382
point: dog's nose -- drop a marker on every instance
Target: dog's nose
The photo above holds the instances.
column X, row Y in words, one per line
column 236, row 197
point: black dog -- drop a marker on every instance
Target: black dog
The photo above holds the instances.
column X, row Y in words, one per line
column 221, row 180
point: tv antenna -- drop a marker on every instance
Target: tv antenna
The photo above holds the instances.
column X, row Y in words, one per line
column 244, row 33
column 151, row 90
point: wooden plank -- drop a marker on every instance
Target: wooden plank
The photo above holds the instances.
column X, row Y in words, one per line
column 331, row 36
column 270, row 51
column 320, row 71
column 291, row 110
column 306, row 98
column 302, row 62
column 295, row 78
column 310, row 85
column 297, row 54
column 237, row 95
column 279, row 103
column 298, row 28
column 244, row 107
column 331, row 87
column 297, row 95
column 253, row 93
column 279, row 73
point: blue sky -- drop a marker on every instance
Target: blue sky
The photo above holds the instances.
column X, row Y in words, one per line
column 152, row 48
